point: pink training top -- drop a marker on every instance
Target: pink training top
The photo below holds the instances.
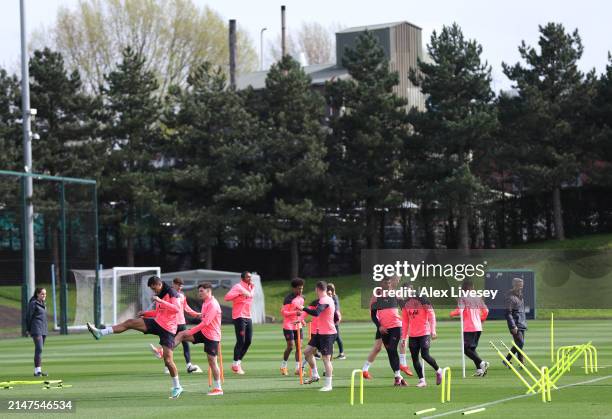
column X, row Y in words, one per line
column 418, row 319
column 474, row 313
column 211, row 320
column 389, row 318
column 289, row 309
column 184, row 308
column 165, row 313
column 241, row 304
column 325, row 320
column 314, row 320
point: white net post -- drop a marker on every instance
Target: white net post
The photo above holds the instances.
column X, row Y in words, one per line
column 130, row 291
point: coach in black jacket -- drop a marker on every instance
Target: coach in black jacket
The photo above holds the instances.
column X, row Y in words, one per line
column 36, row 323
column 515, row 316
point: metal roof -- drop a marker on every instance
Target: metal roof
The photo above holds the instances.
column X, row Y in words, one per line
column 376, row 27
column 319, row 73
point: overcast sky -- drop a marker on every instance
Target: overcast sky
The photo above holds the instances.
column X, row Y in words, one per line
column 498, row 26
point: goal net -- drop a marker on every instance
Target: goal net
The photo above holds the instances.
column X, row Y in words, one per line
column 122, row 294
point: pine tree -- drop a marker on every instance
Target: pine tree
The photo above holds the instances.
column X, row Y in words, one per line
column 64, row 121
column 132, row 136
column 66, row 125
column 293, row 154
column 602, row 118
column 210, row 143
column 550, row 89
column 452, row 134
column 368, row 126
column 10, row 128
column 11, row 155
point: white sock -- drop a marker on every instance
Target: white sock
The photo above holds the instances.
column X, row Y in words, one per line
column 328, row 381
column 189, row 365
column 284, row 364
column 422, row 380
column 235, row 363
column 218, row 384
column 297, row 365
column 403, row 359
column 398, row 374
column 175, row 382
column 37, row 370
column 366, row 366
column 482, row 364
column 239, row 361
column 106, row 331
column 315, row 373
column 439, row 370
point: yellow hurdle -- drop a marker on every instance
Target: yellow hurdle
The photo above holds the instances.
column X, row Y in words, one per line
column 546, row 385
column 514, row 370
column 446, row 385
column 360, row 373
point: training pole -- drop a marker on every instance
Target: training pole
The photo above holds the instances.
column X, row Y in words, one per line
column 552, row 338
column 221, row 373
column 462, row 348
column 299, row 353
column 309, row 338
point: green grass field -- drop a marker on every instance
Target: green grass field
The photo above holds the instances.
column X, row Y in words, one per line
column 118, row 377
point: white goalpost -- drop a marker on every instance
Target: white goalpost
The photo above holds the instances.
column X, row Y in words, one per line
column 121, row 294
column 128, row 284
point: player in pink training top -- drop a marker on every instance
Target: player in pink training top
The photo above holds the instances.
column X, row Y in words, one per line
column 207, row 332
column 474, row 313
column 378, row 344
column 161, row 322
column 386, row 317
column 241, row 296
column 419, row 324
column 291, row 318
column 323, row 337
column 177, row 284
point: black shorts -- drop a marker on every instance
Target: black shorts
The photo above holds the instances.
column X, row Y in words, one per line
column 180, row 328
column 470, row 339
column 324, row 343
column 391, row 339
column 377, row 335
column 165, row 338
column 419, row 342
column 211, row 347
column 292, row 334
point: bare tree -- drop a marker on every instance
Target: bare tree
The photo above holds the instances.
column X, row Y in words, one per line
column 313, row 39
column 316, row 42
column 172, row 35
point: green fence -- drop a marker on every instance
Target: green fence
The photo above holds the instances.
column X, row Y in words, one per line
column 65, row 237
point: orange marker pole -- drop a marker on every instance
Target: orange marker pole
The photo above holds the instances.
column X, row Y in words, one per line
column 299, row 349
column 221, row 363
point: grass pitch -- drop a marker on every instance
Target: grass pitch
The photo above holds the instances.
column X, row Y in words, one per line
column 118, row 377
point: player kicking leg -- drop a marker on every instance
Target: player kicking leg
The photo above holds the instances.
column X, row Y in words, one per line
column 208, row 332
column 211, row 348
column 160, row 322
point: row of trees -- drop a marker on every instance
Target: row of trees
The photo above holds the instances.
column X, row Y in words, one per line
column 290, row 164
